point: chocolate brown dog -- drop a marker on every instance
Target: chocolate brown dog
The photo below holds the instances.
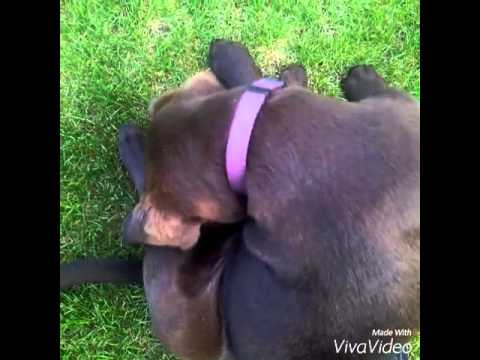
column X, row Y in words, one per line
column 323, row 248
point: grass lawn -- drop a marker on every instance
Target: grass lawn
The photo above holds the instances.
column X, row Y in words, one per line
column 117, row 55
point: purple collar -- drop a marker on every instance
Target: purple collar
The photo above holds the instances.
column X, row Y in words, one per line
column 246, row 112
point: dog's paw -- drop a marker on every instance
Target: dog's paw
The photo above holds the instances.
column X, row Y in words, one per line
column 220, row 50
column 362, row 81
column 231, row 63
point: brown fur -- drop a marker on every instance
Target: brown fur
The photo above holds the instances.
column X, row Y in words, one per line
column 333, row 187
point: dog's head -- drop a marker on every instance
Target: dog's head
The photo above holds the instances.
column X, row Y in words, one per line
column 186, row 184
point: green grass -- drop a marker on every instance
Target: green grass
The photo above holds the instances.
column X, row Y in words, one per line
column 117, row 55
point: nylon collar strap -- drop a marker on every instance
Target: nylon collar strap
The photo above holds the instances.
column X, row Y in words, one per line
column 241, row 128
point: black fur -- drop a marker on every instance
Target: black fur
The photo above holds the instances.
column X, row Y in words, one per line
column 101, row 271
column 232, row 64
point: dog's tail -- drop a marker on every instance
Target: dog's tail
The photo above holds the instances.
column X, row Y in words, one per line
column 99, row 271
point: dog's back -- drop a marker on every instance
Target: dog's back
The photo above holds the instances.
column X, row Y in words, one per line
column 333, row 252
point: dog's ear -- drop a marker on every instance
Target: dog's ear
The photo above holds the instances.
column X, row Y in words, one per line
column 202, row 84
column 157, row 103
column 151, row 225
column 168, row 229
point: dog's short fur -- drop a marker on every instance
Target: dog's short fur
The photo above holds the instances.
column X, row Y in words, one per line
column 328, row 246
